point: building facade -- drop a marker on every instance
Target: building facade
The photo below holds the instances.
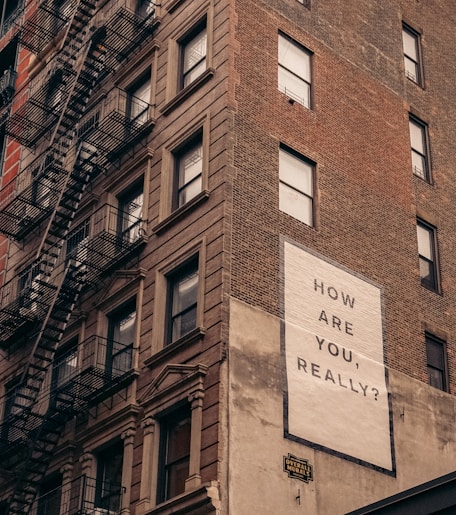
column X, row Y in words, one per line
column 226, row 256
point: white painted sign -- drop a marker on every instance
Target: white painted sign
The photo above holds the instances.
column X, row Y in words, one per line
column 336, row 395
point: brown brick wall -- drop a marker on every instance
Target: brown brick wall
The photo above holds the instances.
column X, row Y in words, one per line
column 357, row 133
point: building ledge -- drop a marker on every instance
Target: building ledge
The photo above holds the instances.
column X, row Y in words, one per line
column 204, row 499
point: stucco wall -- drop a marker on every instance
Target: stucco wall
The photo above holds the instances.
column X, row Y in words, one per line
column 425, row 444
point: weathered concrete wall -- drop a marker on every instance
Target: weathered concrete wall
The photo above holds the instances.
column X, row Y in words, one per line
column 424, row 440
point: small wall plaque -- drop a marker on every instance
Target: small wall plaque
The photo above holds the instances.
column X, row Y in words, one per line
column 298, row 468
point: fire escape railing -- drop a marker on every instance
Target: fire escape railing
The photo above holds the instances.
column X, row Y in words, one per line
column 25, row 300
column 29, row 197
column 125, row 29
column 116, row 235
column 82, row 496
column 118, row 120
column 54, row 110
column 104, row 364
column 101, row 367
column 45, row 22
column 37, row 109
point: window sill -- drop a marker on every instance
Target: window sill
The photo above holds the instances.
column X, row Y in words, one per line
column 192, row 337
column 172, row 5
column 186, row 92
column 204, row 499
column 180, row 212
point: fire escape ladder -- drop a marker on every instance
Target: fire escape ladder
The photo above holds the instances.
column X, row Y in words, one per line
column 42, row 436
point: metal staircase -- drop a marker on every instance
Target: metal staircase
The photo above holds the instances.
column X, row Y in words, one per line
column 81, row 57
column 55, row 183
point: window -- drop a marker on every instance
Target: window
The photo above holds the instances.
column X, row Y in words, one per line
column 138, row 100
column 294, row 70
column 29, row 289
column 193, row 56
column 412, row 53
column 130, row 214
column 173, row 404
column 436, row 362
column 8, row 58
column 145, row 8
column 9, row 12
column 427, row 255
column 188, row 173
column 64, row 368
column 48, row 502
column 174, row 453
column 182, row 300
column 76, row 244
column 419, row 146
column 296, row 185
column 121, row 338
column 109, row 477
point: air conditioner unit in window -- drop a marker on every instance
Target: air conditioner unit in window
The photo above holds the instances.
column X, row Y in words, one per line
column 100, row 511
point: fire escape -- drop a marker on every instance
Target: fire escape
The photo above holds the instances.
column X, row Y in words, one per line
column 45, row 197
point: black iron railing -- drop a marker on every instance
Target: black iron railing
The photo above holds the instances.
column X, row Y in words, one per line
column 83, row 496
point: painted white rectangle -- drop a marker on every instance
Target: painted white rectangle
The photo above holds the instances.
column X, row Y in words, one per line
column 336, row 394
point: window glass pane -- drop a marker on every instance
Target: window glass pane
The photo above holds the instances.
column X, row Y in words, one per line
column 419, row 164
column 294, row 58
column 185, row 292
column 176, row 466
column 296, row 172
column 427, row 274
column 190, row 164
column 194, row 58
column 131, row 207
column 294, row 87
column 436, row 378
column 417, row 137
column 411, row 69
column 424, row 242
column 194, row 73
column 124, row 328
column 190, row 191
column 410, row 45
column 295, row 204
column 184, row 303
column 65, row 367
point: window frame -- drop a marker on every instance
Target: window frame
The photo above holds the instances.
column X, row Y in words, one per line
column 114, row 317
column 134, row 231
column 160, row 345
column 418, row 62
column 425, row 157
column 196, row 141
column 433, row 260
column 184, row 43
column 144, row 79
column 176, row 93
column 177, row 277
column 311, row 197
column 308, row 54
column 168, row 212
column 100, row 482
column 179, row 414
column 433, row 340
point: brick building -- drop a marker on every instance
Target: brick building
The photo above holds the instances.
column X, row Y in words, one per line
column 226, row 256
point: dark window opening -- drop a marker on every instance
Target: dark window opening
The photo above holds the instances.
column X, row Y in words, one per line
column 174, row 453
